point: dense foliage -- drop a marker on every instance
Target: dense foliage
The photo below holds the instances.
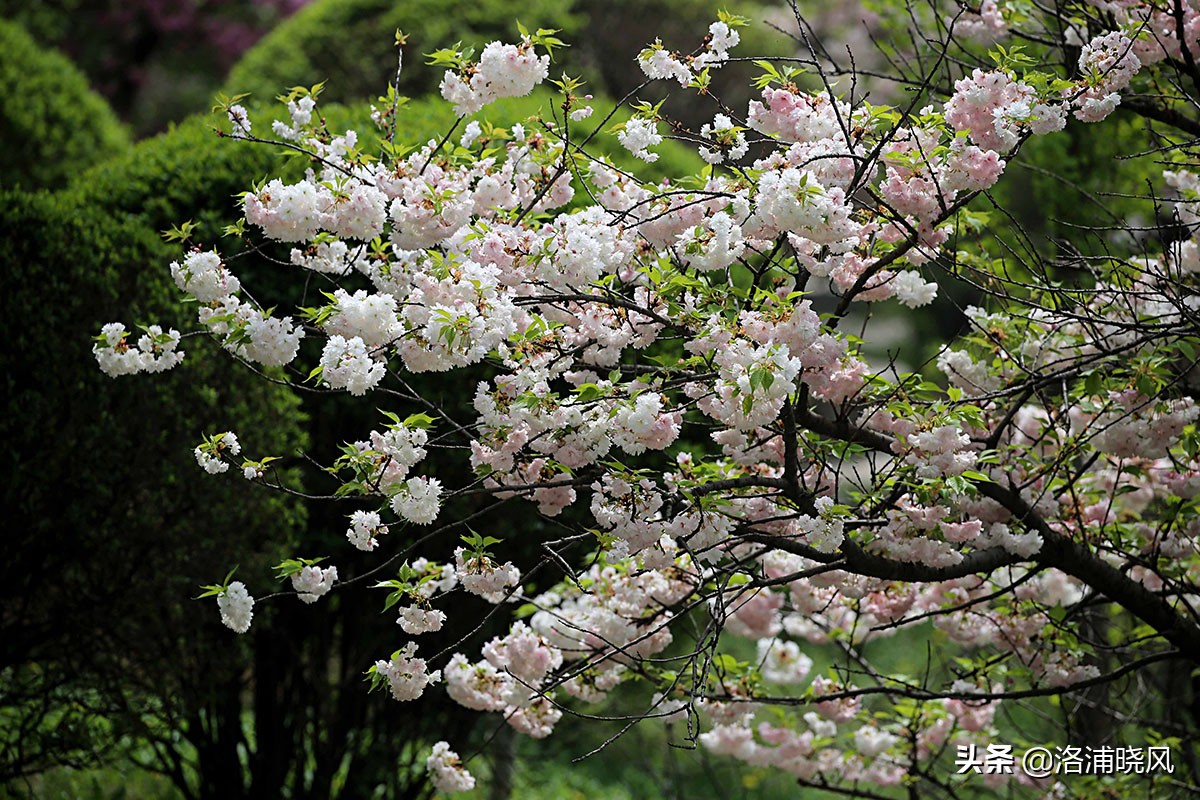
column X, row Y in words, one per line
column 52, row 124
column 93, row 647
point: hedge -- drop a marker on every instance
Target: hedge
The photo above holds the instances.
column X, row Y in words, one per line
column 51, row 123
column 111, row 525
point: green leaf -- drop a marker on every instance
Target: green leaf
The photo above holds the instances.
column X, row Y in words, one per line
column 212, row 589
column 179, row 233
column 589, row 392
column 285, row 569
column 726, row 662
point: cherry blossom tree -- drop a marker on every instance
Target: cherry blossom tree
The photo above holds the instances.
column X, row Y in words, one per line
column 683, row 382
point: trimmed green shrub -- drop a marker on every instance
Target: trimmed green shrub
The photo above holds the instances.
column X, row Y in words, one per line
column 110, row 533
column 432, row 117
column 52, row 125
column 191, row 173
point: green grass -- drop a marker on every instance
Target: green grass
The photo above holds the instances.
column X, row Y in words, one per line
column 110, row 783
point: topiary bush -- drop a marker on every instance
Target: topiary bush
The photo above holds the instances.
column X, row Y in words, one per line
column 51, row 123
column 108, row 536
column 424, row 118
column 188, row 173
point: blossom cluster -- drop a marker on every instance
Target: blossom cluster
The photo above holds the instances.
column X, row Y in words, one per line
column 237, row 607
column 155, row 351
column 504, row 70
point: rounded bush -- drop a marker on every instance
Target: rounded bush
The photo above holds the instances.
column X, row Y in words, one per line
column 53, row 125
column 190, row 172
column 110, row 533
column 431, row 117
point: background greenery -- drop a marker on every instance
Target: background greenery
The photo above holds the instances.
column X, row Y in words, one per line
column 52, row 124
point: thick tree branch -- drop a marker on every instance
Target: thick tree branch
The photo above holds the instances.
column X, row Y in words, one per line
column 1072, row 558
column 854, row 559
column 1159, row 113
column 1076, row 560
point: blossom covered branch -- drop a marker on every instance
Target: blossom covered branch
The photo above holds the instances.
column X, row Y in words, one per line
column 663, row 370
